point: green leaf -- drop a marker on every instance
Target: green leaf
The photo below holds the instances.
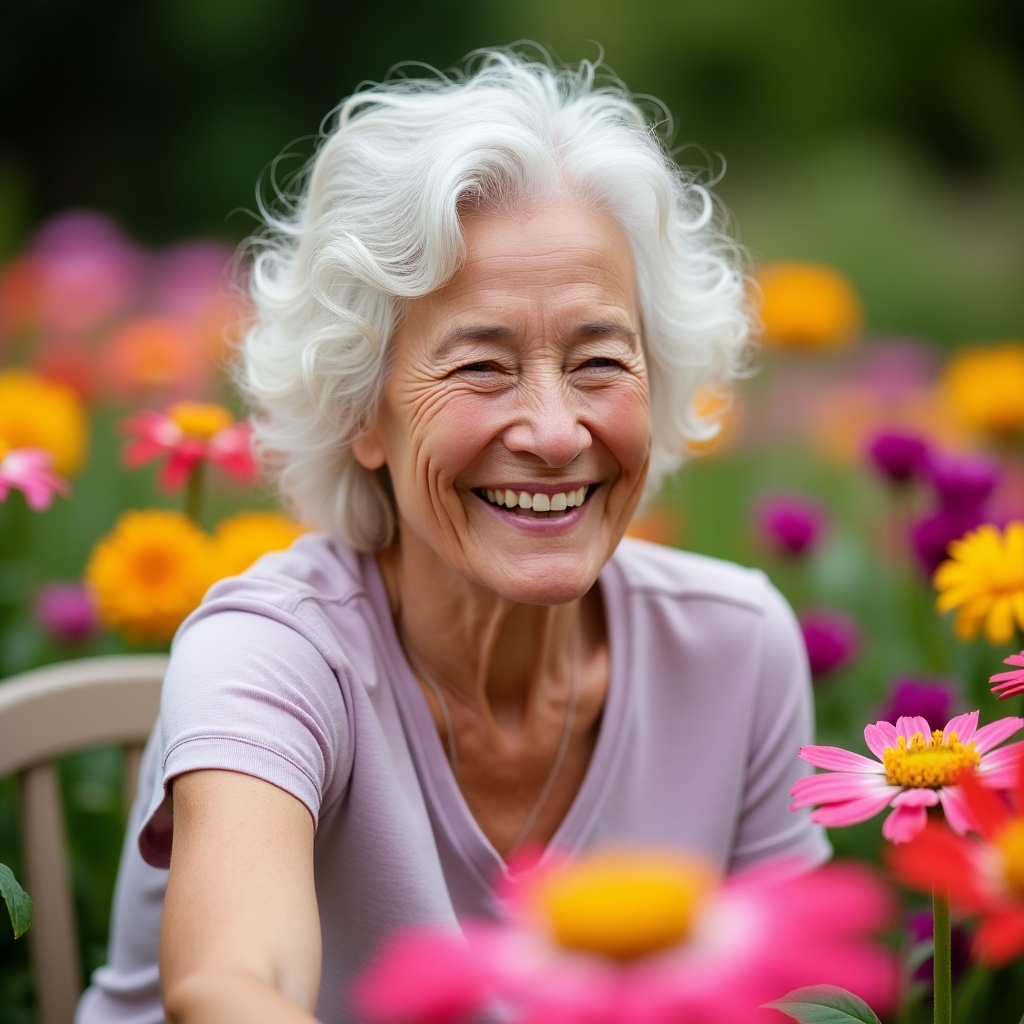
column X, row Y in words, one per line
column 824, row 1004
column 19, row 906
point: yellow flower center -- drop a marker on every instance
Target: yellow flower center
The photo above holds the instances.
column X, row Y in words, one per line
column 624, row 905
column 928, row 761
column 1011, row 846
column 200, row 419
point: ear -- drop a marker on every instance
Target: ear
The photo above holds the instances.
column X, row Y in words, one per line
column 369, row 450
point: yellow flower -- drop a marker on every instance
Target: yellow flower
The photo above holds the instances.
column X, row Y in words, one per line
column 984, row 581
column 150, row 572
column 985, row 387
column 40, row 413
column 241, row 539
column 807, row 306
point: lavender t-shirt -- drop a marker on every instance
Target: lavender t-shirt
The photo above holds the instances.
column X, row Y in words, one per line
column 293, row 673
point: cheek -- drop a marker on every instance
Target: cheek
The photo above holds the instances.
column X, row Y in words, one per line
column 455, row 433
column 626, row 416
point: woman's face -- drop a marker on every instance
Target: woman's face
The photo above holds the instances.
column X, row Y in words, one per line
column 516, row 421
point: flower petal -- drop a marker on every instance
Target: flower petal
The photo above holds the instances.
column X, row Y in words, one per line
column 838, row 759
column 965, row 726
column 909, row 727
column 879, row 736
column 1000, row 937
column 917, row 797
column 904, row 823
column 838, row 787
column 991, row 735
column 851, row 811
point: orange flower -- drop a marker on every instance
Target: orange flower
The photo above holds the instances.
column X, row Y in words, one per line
column 808, row 306
column 39, row 413
column 154, row 356
column 985, row 387
column 149, row 573
column 242, row 538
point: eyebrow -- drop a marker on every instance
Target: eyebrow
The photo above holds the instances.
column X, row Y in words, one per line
column 495, row 332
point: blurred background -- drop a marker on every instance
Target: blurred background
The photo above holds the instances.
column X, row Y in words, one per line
column 886, row 138
column 872, row 149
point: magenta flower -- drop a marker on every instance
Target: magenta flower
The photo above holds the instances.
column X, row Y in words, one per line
column 931, row 535
column 832, row 639
column 66, row 611
column 963, row 483
column 917, row 768
column 29, row 470
column 790, row 525
column 626, row 937
column 932, row 699
column 899, row 457
column 189, row 434
column 1009, row 683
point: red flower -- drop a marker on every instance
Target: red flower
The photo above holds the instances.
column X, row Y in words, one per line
column 189, row 433
column 984, row 878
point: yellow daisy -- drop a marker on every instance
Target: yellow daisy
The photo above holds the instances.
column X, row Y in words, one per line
column 983, row 580
column 985, row 388
column 807, row 306
column 241, row 539
column 149, row 573
column 39, row 413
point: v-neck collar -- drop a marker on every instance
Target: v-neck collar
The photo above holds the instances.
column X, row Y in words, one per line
column 446, row 804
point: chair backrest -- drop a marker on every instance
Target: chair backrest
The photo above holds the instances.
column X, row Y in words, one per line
column 46, row 713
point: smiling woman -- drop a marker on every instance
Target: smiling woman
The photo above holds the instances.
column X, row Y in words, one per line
column 480, row 330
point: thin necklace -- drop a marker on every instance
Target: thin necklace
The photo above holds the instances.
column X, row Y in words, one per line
column 453, row 754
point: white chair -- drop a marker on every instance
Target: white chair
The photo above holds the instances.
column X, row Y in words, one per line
column 46, row 713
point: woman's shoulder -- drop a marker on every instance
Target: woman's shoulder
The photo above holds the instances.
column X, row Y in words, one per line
column 647, row 568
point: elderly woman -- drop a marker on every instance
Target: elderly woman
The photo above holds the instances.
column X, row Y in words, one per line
column 478, row 337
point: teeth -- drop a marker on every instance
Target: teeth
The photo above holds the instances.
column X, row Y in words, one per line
column 537, row 502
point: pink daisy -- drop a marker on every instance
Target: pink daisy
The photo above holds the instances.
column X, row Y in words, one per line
column 1009, row 683
column 189, row 434
column 632, row 937
column 917, row 768
column 29, row 470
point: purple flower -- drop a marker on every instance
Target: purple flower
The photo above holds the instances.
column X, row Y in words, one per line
column 789, row 524
column 832, row 639
column 931, row 535
column 910, row 697
column 963, row 483
column 899, row 456
column 66, row 612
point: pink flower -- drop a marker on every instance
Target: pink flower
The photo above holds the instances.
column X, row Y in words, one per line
column 832, row 639
column 789, row 524
column 1009, row 683
column 29, row 471
column 66, row 611
column 189, row 434
column 917, row 768
column 641, row 937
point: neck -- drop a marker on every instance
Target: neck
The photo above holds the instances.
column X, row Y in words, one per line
column 487, row 652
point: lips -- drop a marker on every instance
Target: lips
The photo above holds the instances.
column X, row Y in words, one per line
column 537, row 503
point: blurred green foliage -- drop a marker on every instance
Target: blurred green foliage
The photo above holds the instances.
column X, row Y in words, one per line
column 882, row 136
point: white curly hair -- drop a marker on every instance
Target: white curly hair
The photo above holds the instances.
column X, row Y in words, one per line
column 376, row 222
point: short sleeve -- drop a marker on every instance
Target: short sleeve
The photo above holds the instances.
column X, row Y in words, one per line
column 783, row 722
column 253, row 694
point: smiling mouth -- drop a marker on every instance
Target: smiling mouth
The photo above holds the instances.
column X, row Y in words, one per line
column 535, row 505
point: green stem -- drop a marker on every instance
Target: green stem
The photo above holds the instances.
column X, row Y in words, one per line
column 194, row 494
column 943, row 976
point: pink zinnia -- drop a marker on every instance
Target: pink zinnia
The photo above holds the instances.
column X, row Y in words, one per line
column 1009, row 683
column 917, row 768
column 641, row 937
column 189, row 434
column 30, row 471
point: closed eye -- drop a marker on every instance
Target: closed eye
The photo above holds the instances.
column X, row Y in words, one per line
column 481, row 367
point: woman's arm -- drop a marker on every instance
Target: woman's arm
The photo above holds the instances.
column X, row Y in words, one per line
column 240, row 939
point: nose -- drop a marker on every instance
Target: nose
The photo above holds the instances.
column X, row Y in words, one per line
column 549, row 425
